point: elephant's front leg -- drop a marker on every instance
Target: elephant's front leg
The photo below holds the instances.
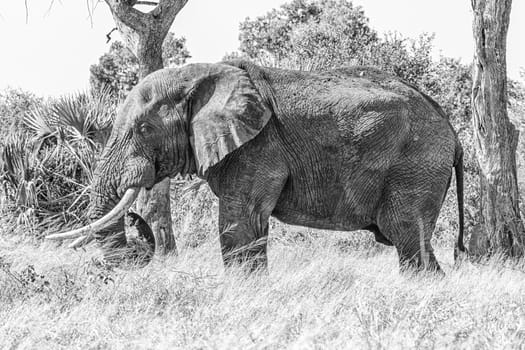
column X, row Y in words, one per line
column 243, row 235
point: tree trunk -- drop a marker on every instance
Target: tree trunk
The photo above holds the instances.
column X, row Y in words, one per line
column 144, row 34
column 496, row 138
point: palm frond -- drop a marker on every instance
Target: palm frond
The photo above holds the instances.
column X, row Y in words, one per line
column 40, row 122
column 14, row 160
column 72, row 114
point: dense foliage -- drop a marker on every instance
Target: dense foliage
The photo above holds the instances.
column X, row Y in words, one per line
column 14, row 103
column 118, row 68
column 47, row 163
column 321, row 34
column 302, row 28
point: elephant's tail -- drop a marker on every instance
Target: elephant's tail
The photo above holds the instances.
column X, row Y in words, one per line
column 458, row 167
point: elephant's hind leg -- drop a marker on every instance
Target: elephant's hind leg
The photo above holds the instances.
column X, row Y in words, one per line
column 414, row 248
column 407, row 218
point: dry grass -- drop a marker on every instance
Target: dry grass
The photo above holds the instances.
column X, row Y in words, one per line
column 316, row 295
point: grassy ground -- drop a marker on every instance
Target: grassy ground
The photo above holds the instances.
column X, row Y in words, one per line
column 318, row 294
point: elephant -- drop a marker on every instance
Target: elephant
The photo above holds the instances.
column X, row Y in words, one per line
column 343, row 149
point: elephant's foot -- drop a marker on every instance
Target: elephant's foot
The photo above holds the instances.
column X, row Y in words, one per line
column 416, row 263
column 412, row 266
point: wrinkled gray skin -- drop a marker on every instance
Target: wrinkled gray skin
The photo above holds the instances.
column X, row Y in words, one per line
column 345, row 149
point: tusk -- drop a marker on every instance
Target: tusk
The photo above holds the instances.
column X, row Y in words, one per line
column 80, row 241
column 116, row 213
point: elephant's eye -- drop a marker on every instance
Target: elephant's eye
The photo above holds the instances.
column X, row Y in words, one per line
column 145, row 129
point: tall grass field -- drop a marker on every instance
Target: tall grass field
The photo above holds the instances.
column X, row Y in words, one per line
column 322, row 291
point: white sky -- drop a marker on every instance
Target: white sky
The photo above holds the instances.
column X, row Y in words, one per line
column 52, row 53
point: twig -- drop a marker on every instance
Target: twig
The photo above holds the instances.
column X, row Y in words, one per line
column 108, row 35
column 96, row 4
column 27, row 11
column 50, row 7
column 90, row 13
column 7, row 270
column 91, row 7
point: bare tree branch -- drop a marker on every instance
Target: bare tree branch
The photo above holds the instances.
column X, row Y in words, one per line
column 51, row 3
column 94, row 6
column 27, row 11
column 108, row 35
column 90, row 13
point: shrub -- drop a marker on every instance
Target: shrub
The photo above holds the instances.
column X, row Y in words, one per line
column 14, row 103
column 46, row 166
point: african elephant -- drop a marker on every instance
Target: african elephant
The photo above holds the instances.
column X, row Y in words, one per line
column 344, row 149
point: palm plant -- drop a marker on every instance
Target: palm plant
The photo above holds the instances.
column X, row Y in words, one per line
column 46, row 168
column 19, row 183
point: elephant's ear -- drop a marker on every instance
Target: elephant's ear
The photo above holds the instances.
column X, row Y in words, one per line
column 227, row 112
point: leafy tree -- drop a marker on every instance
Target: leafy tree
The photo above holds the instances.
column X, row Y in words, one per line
column 174, row 51
column 320, row 34
column 450, row 82
column 301, row 27
column 271, row 33
column 118, row 69
column 409, row 59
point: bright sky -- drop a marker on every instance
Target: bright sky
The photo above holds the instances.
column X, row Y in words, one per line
column 51, row 54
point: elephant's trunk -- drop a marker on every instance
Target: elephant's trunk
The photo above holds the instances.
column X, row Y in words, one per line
column 104, row 222
column 123, row 169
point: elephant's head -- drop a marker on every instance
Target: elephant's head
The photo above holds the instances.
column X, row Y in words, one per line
column 175, row 121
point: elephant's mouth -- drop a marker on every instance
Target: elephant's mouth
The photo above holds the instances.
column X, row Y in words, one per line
column 141, row 241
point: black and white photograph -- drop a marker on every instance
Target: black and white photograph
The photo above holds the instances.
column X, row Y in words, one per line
column 262, row 174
